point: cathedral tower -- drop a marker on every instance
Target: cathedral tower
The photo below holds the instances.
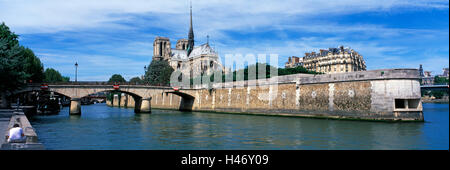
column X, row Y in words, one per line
column 190, row 36
column 182, row 44
column 161, row 48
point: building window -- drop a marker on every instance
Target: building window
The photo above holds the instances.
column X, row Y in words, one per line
column 407, row 103
column 400, row 104
column 180, row 78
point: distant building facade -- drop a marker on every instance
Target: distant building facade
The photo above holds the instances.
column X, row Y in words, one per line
column 294, row 62
column 425, row 76
column 445, row 72
column 333, row 60
column 191, row 60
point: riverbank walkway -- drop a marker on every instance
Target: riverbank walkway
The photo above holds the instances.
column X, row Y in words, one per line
column 9, row 117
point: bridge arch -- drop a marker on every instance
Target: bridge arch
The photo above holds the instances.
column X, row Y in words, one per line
column 138, row 99
column 187, row 100
column 16, row 93
column 27, row 99
column 75, row 93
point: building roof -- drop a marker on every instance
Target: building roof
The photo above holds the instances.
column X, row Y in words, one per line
column 198, row 51
column 330, row 50
column 204, row 49
column 179, row 54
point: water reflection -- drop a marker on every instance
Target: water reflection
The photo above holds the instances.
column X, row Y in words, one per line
column 101, row 127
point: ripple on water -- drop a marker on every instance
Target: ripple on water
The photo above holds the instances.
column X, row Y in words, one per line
column 101, row 127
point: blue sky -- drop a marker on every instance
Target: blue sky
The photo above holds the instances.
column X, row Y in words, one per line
column 110, row 37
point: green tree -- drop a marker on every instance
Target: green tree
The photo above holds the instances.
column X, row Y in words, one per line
column 13, row 75
column 116, row 78
column 136, row 80
column 53, row 76
column 440, row 80
column 296, row 70
column 33, row 67
column 269, row 69
column 158, row 73
column 65, row 79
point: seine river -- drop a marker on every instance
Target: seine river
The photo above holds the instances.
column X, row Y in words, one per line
column 106, row 128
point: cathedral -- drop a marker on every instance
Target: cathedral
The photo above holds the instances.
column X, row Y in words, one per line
column 185, row 57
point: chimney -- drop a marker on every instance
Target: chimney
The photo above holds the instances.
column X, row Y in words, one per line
column 321, row 51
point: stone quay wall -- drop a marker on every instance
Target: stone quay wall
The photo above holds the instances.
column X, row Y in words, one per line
column 18, row 117
column 388, row 95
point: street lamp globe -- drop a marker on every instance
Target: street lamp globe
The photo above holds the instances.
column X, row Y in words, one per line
column 76, row 71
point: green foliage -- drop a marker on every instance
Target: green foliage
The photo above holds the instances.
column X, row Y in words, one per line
column 136, row 80
column 53, row 76
column 65, row 79
column 237, row 75
column 12, row 70
column 439, row 93
column 158, row 73
column 440, row 80
column 254, row 67
column 33, row 67
column 116, row 78
column 296, row 70
column 9, row 37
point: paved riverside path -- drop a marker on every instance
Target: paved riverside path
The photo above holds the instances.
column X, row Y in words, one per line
column 5, row 117
column 8, row 116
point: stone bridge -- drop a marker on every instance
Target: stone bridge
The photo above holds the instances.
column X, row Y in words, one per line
column 141, row 94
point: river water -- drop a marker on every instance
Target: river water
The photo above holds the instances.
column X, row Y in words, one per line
column 104, row 128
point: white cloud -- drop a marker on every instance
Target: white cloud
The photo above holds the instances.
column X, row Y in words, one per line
column 88, row 20
column 34, row 16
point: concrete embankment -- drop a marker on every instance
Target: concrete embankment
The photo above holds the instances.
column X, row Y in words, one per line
column 9, row 117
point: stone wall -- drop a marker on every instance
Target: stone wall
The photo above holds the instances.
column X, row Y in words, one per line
column 368, row 95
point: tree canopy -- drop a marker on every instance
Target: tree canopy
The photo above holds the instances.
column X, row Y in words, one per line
column 136, row 80
column 19, row 65
column 440, row 80
column 116, row 78
column 12, row 58
column 53, row 76
column 158, row 73
column 255, row 67
column 33, row 67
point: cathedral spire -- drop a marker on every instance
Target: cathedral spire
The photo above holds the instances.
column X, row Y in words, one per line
column 191, row 34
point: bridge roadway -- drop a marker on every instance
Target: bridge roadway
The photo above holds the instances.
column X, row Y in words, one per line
column 435, row 87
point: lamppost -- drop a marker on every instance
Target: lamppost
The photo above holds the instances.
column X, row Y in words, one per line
column 145, row 74
column 76, row 71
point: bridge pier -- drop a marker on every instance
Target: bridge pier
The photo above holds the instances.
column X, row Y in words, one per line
column 123, row 100
column 75, row 106
column 145, row 106
column 116, row 100
column 108, row 102
column 130, row 101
